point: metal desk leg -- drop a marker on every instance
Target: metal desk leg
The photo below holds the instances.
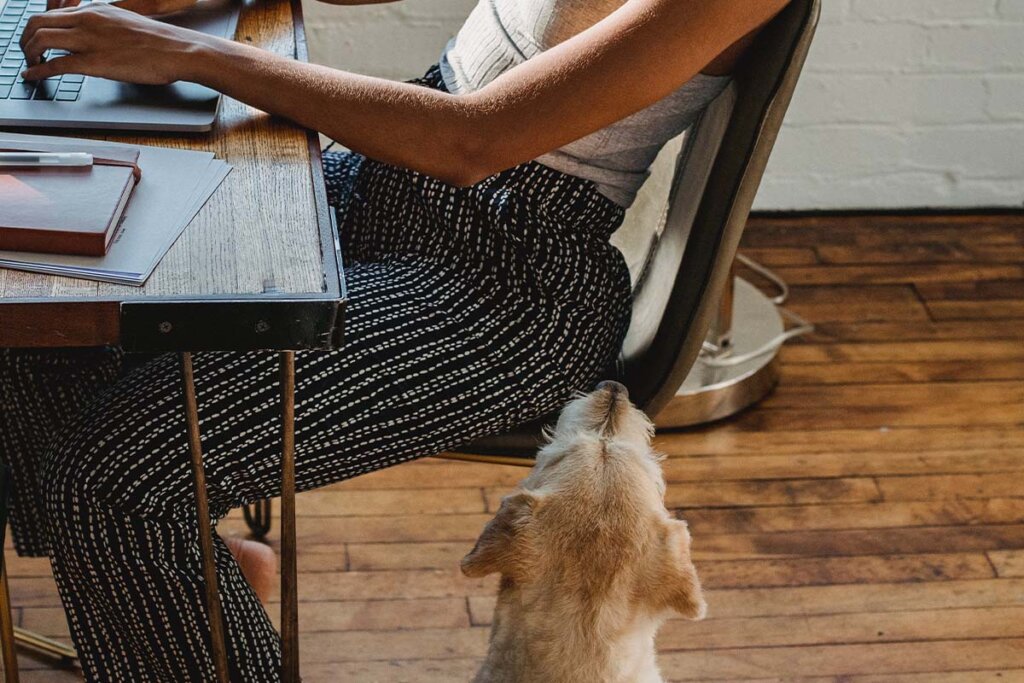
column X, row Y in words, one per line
column 220, row 653
column 289, row 567
column 289, row 581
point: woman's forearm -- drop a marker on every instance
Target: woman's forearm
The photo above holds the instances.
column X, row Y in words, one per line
column 581, row 85
column 418, row 128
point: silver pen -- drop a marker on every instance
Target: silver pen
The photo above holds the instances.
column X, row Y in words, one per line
column 41, row 159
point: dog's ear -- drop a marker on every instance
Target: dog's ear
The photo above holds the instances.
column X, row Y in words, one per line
column 494, row 550
column 679, row 588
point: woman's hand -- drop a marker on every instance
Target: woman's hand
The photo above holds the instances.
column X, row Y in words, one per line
column 108, row 42
column 149, row 8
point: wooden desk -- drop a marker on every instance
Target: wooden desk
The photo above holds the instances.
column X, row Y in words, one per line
column 259, row 268
column 261, row 254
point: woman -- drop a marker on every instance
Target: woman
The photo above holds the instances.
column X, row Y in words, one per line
column 475, row 213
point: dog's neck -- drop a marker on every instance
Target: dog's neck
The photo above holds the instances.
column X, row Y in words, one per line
column 532, row 640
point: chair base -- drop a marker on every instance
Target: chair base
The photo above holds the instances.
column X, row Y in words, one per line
column 715, row 392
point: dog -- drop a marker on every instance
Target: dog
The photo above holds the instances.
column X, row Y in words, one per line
column 591, row 562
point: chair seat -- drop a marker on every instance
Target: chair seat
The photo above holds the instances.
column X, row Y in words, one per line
column 521, row 443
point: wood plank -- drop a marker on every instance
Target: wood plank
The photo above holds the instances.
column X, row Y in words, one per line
column 896, row 351
column 392, row 671
column 338, row 530
column 774, row 257
column 940, row 487
column 989, row 676
column 972, row 289
column 864, row 232
column 860, row 303
column 902, row 395
column 901, row 372
column 361, row 646
column 1008, row 563
column 975, row 310
column 870, row 627
column 903, row 273
column 840, row 660
column 881, row 515
column 823, row 465
column 899, row 332
column 877, row 417
column 886, row 542
column 402, row 501
column 711, row 440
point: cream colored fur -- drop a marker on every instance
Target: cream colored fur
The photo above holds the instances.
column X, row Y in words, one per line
column 591, row 562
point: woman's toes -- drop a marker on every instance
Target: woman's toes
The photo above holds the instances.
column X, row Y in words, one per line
column 258, row 563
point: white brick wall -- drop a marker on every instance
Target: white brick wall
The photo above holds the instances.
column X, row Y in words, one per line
column 396, row 40
column 906, row 103
column 903, row 103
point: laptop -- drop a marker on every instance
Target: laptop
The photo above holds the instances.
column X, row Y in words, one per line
column 76, row 101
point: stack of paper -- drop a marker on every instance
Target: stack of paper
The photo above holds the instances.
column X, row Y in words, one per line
column 174, row 187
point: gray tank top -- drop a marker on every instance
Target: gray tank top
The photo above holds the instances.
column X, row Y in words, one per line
column 500, row 34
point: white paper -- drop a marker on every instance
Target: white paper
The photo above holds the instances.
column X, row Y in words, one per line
column 154, row 219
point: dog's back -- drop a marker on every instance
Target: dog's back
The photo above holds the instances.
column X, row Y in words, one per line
column 591, row 561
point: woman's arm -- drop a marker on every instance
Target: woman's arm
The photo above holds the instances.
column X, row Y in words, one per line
column 629, row 60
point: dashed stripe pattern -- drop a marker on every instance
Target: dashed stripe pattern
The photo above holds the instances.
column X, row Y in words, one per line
column 471, row 310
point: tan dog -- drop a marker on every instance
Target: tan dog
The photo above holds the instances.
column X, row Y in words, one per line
column 591, row 562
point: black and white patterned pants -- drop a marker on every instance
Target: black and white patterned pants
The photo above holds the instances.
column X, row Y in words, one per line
column 470, row 310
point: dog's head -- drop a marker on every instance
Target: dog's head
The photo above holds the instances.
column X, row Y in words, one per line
column 590, row 520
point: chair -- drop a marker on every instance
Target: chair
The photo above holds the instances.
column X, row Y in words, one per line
column 688, row 265
column 684, row 269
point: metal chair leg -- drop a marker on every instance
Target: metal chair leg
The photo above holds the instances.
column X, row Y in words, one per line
column 289, row 565
column 257, row 518
column 59, row 652
column 220, row 653
column 10, row 653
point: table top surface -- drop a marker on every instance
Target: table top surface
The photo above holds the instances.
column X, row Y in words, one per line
column 265, row 234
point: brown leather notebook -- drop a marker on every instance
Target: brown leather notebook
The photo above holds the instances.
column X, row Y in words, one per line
column 65, row 210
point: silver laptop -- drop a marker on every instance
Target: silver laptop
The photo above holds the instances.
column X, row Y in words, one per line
column 75, row 101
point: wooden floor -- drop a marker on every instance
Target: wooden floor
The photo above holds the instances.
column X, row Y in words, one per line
column 864, row 524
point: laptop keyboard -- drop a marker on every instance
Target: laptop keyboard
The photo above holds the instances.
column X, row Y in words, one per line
column 13, row 17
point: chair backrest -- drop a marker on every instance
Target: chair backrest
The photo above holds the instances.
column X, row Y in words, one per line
column 678, row 291
column 681, row 275
column 657, row 227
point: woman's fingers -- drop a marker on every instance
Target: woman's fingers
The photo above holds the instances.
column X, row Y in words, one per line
column 60, row 18
column 61, row 4
column 50, row 39
column 72, row 64
column 59, row 32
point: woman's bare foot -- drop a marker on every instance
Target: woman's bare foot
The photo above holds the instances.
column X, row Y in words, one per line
column 258, row 563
